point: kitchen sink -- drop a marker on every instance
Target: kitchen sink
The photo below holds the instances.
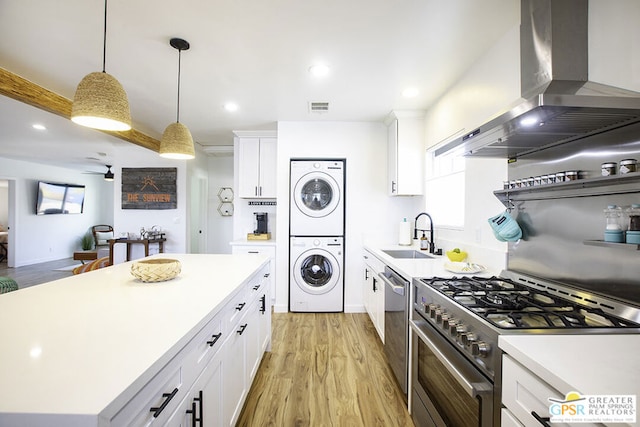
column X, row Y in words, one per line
column 407, row 254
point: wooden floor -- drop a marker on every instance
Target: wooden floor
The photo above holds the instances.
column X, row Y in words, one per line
column 325, row 369
column 30, row 275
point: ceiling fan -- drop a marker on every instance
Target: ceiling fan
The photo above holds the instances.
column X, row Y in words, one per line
column 108, row 175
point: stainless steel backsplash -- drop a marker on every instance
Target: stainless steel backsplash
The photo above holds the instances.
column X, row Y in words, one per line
column 554, row 230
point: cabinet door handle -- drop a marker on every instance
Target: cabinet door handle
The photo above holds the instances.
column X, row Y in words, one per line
column 263, row 301
column 375, row 288
column 256, row 287
column 266, row 274
column 542, row 420
column 260, row 194
column 256, row 190
column 194, row 417
column 393, row 186
column 240, row 306
column 242, row 328
column 214, row 339
column 168, row 396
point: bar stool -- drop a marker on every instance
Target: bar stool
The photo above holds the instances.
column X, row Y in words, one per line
column 7, row 284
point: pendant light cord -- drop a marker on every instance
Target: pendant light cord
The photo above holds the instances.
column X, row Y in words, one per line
column 178, row 107
column 104, row 39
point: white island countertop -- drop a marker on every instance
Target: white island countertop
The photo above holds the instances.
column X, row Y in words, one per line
column 593, row 364
column 86, row 343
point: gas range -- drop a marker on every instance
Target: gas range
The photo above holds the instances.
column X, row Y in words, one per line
column 472, row 312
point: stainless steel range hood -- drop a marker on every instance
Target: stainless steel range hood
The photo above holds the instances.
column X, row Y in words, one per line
column 558, row 103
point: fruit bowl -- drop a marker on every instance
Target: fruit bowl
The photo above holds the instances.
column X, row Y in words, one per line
column 456, row 256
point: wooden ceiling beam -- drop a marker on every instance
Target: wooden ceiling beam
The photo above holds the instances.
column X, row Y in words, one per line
column 20, row 89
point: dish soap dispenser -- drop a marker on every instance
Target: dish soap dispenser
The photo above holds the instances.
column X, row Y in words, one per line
column 424, row 242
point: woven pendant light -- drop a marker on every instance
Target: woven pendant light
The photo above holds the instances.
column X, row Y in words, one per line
column 176, row 142
column 100, row 101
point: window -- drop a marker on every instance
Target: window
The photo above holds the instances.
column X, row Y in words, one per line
column 445, row 189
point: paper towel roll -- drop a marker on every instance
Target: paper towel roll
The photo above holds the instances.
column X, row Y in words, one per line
column 404, row 233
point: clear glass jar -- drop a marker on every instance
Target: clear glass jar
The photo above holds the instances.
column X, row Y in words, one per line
column 608, row 168
column 613, row 216
column 571, row 175
column 628, row 165
column 633, row 213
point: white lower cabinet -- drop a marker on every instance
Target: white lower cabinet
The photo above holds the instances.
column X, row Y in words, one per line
column 234, row 377
column 207, row 382
column 260, row 249
column 203, row 404
column 374, row 291
column 525, row 396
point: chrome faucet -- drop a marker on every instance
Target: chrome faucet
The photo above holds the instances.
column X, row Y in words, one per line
column 432, row 245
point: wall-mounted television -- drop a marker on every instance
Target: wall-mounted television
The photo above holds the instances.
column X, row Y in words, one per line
column 59, row 198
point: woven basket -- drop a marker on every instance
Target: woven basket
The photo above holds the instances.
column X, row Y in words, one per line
column 156, row 270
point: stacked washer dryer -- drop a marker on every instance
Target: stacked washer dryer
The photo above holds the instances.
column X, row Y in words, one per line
column 316, row 230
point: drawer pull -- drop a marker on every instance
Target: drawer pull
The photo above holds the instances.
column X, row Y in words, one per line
column 168, row 396
column 214, row 339
column 266, row 274
column 253, row 252
column 240, row 306
column 263, row 302
column 542, row 420
column 242, row 328
column 256, row 287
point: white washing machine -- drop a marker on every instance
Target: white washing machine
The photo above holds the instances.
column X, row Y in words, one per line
column 316, row 281
column 317, row 198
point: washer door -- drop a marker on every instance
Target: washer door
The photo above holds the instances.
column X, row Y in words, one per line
column 316, row 271
column 316, row 194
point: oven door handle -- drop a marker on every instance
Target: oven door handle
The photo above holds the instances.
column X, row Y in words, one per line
column 474, row 389
column 395, row 288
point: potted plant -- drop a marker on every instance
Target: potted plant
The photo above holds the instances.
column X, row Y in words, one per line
column 87, row 242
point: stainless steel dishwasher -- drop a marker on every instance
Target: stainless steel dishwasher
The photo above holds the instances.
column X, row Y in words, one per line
column 396, row 324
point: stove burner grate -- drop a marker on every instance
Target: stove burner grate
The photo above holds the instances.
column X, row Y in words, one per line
column 507, row 304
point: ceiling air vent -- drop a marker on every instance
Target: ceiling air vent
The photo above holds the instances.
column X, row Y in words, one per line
column 318, row 107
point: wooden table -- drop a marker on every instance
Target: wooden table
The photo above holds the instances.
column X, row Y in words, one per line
column 130, row 242
column 83, row 256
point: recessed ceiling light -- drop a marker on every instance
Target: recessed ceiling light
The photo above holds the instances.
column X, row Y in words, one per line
column 38, row 126
column 231, row 106
column 319, row 70
column 410, row 92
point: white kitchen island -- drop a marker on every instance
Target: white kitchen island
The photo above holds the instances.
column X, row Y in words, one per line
column 103, row 348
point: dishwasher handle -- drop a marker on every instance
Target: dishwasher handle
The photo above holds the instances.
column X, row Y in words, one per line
column 400, row 290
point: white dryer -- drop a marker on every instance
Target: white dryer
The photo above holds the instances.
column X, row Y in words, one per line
column 317, row 198
column 316, row 281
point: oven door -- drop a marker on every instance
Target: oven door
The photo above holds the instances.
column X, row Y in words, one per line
column 447, row 389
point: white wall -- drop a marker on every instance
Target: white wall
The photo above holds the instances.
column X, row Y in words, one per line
column 40, row 238
column 174, row 222
column 489, row 87
column 369, row 211
column 220, row 228
column 4, row 203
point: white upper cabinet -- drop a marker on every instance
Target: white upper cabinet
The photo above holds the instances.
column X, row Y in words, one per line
column 406, row 153
column 257, row 167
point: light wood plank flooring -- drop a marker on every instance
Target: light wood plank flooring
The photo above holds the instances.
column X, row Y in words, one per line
column 325, row 369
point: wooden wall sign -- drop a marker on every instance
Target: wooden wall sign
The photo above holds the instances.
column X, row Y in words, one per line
column 149, row 188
